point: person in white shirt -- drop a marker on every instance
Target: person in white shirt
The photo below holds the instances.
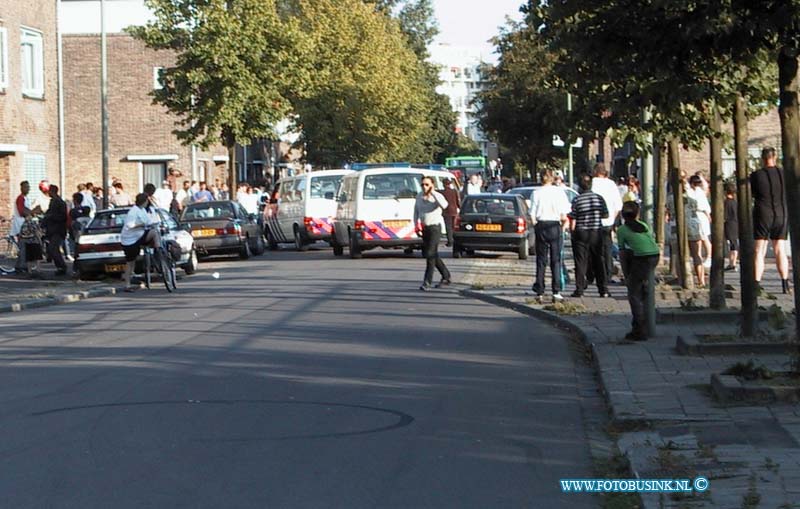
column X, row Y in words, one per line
column 549, row 211
column 135, row 234
column 163, row 196
column 697, row 193
column 249, row 201
column 608, row 190
column 475, row 185
column 184, row 195
column 88, row 198
column 428, row 220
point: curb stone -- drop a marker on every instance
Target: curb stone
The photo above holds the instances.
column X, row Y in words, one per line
column 57, row 299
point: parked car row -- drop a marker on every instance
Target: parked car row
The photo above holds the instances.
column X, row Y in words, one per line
column 203, row 229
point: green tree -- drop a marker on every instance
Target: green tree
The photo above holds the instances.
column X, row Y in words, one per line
column 367, row 100
column 228, row 53
column 521, row 108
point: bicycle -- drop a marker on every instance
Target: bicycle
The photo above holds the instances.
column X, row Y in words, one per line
column 9, row 252
column 160, row 259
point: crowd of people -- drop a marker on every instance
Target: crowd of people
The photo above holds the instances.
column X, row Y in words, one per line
column 50, row 227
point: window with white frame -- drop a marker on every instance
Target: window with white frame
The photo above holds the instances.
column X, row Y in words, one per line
column 3, row 58
column 35, row 168
column 32, row 65
column 158, row 73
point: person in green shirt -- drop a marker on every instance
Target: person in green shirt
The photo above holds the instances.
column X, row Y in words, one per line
column 638, row 253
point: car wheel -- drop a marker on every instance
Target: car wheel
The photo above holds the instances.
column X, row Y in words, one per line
column 355, row 249
column 523, row 249
column 190, row 267
column 299, row 242
column 272, row 242
column 244, row 252
column 260, row 246
column 456, row 250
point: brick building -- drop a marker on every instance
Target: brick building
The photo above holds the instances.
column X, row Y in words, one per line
column 142, row 146
column 29, row 132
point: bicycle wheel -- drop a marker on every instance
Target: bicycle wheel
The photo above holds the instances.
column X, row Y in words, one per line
column 147, row 268
column 8, row 255
column 167, row 270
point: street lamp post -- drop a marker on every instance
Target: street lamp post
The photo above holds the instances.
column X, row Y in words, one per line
column 104, row 100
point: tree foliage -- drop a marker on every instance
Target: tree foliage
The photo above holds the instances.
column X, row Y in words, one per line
column 228, row 53
column 521, row 108
column 366, row 100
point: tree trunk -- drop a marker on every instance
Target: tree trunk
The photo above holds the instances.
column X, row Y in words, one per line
column 684, row 267
column 747, row 277
column 790, row 142
column 662, row 177
column 716, row 296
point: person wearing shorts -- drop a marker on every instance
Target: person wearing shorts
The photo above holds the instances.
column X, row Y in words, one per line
column 137, row 232
column 699, row 227
column 770, row 217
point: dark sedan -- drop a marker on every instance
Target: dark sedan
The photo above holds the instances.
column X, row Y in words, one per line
column 493, row 222
column 223, row 227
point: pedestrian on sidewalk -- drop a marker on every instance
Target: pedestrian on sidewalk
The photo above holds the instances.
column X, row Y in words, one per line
column 22, row 211
column 698, row 193
column 639, row 256
column 428, row 220
column 606, row 188
column 770, row 216
column 55, row 227
column 80, row 216
column 731, row 225
column 549, row 212
column 450, row 194
column 588, row 211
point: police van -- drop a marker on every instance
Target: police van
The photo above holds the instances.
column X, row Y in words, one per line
column 376, row 207
column 303, row 210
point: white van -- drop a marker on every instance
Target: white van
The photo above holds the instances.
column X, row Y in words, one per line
column 304, row 210
column 376, row 208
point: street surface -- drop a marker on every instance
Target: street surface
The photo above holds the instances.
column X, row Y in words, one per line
column 293, row 380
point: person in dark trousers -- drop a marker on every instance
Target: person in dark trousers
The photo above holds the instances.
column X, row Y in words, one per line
column 428, row 220
column 55, row 224
column 453, row 198
column 731, row 226
column 588, row 211
column 770, row 216
column 549, row 214
column 638, row 253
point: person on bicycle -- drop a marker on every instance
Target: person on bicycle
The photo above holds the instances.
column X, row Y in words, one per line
column 137, row 231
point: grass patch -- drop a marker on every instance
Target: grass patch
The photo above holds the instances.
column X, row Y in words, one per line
column 749, row 371
column 751, row 499
column 616, row 467
column 566, row 308
column 478, row 287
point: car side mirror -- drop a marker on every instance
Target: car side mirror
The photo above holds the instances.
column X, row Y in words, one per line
column 329, row 196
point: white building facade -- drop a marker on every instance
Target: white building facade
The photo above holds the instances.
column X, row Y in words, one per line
column 462, row 72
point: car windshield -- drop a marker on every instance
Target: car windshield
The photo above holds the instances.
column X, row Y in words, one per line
column 320, row 186
column 393, row 186
column 208, row 211
column 492, row 206
column 109, row 220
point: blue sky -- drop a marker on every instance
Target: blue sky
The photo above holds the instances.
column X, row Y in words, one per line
column 473, row 22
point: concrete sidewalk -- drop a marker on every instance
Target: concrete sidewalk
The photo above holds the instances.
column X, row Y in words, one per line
column 661, row 405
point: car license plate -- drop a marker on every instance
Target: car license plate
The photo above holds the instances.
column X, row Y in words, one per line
column 119, row 267
column 203, row 233
column 395, row 224
column 488, row 227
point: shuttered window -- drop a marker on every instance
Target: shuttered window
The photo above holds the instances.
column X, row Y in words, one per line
column 35, row 166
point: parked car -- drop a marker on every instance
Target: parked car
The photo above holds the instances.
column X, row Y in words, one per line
column 99, row 250
column 528, row 192
column 493, row 222
column 223, row 227
column 303, row 210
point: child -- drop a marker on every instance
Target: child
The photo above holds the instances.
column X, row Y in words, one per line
column 731, row 225
column 639, row 254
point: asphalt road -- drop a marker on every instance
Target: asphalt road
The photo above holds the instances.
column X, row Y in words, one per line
column 293, row 380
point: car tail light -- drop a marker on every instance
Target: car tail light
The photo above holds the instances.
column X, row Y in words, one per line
column 233, row 229
column 457, row 222
column 520, row 225
column 359, row 225
column 308, row 222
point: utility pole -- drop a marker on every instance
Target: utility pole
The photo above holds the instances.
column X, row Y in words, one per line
column 648, row 215
column 104, row 100
column 570, row 178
